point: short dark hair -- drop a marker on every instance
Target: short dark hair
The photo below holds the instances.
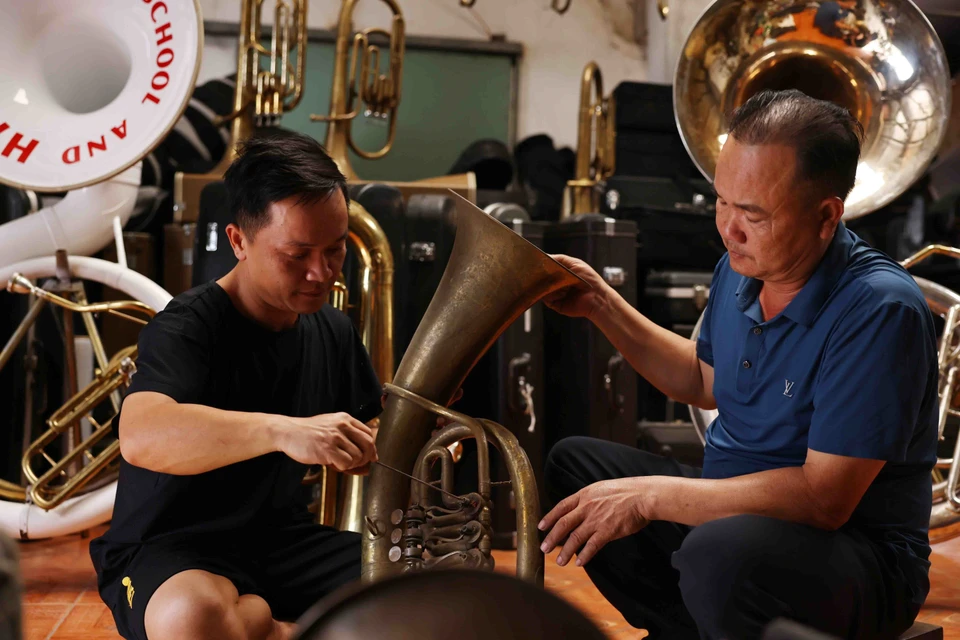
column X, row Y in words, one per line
column 274, row 165
column 826, row 136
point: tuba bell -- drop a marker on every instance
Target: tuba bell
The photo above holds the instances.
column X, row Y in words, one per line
column 492, row 277
column 93, row 86
column 596, row 144
column 887, row 66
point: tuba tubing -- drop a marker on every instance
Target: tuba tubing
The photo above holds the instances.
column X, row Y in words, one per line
column 375, row 324
column 376, row 281
column 492, row 277
column 81, row 223
column 28, row 521
column 598, row 115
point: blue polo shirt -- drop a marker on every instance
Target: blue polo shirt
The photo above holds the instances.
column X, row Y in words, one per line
column 849, row 367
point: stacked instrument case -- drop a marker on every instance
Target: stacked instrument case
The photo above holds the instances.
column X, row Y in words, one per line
column 648, row 142
column 674, row 300
column 591, row 388
column 657, row 186
column 213, row 256
column 678, row 246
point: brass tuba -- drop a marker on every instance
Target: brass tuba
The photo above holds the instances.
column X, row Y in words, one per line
column 379, row 92
column 104, row 84
column 596, row 143
column 340, row 501
column 261, row 96
column 77, row 490
column 492, row 277
column 886, row 65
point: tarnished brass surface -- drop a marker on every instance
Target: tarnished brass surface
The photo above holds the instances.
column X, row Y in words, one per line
column 492, row 277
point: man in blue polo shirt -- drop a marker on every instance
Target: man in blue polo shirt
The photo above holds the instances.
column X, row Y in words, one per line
column 820, row 354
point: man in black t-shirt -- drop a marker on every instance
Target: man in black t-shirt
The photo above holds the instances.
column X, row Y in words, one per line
column 241, row 384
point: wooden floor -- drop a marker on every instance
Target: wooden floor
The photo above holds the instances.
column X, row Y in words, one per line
column 61, row 601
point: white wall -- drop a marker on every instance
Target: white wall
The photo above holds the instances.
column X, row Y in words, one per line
column 556, row 47
column 666, row 38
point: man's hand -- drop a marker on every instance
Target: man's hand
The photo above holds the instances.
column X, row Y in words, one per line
column 331, row 439
column 579, row 300
column 592, row 517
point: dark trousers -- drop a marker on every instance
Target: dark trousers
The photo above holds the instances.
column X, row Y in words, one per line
column 728, row 578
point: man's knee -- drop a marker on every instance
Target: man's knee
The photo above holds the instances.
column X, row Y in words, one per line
column 195, row 604
column 727, row 548
column 722, row 561
column 559, row 478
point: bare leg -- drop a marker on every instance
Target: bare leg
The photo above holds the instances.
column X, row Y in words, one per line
column 197, row 604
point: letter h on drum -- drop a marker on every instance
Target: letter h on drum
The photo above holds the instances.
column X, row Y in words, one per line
column 14, row 145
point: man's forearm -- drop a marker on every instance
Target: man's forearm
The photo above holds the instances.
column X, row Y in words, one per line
column 187, row 439
column 778, row 493
column 666, row 360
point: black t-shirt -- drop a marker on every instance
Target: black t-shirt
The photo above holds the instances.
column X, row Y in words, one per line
column 201, row 350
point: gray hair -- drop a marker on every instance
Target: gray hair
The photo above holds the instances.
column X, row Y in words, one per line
column 826, row 136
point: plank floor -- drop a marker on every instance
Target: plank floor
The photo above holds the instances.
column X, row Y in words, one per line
column 61, row 601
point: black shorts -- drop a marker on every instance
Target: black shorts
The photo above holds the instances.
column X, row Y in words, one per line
column 290, row 568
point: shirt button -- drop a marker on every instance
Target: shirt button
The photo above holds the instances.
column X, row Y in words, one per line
column 757, row 331
column 746, row 364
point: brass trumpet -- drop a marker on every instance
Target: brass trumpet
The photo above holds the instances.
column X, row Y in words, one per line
column 596, row 144
column 48, row 489
column 261, row 96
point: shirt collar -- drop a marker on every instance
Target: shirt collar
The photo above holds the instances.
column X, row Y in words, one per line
column 804, row 308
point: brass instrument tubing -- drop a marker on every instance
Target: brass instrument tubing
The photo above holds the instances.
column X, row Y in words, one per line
column 21, row 331
column 929, row 250
column 98, row 349
column 431, row 485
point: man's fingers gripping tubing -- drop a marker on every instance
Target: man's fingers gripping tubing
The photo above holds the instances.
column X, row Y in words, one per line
column 363, row 437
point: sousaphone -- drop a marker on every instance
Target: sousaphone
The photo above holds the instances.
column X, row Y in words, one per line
column 87, row 89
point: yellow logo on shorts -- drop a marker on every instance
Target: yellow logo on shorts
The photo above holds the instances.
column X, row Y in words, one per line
column 129, row 585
